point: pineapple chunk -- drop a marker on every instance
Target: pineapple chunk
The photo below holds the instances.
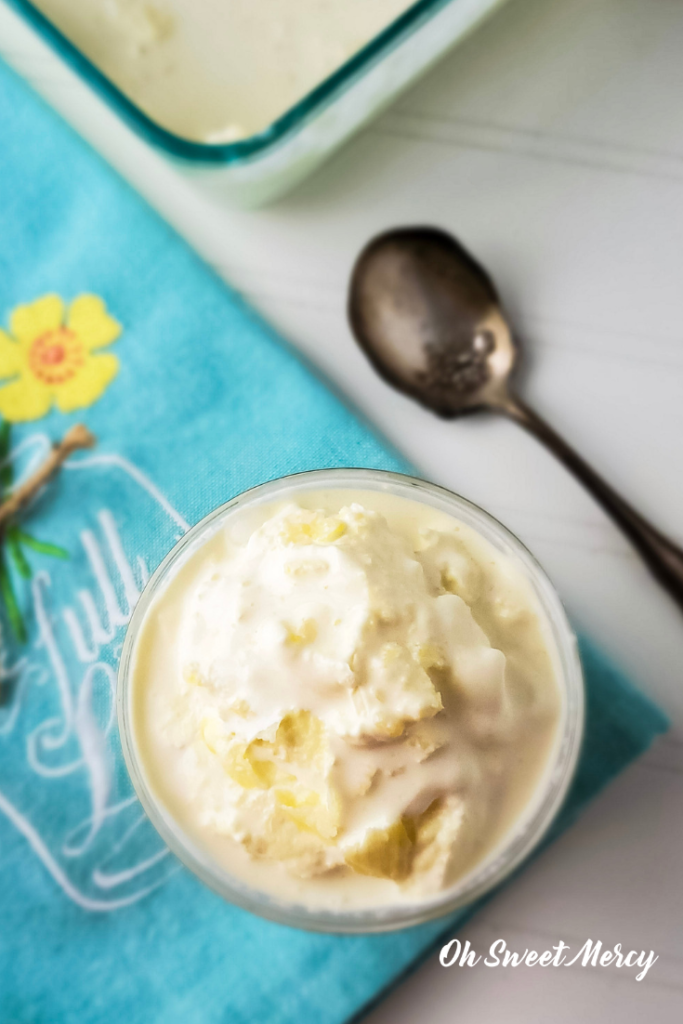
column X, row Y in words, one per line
column 192, row 676
column 240, row 708
column 211, row 733
column 248, row 769
column 283, row 838
column 313, row 528
column 302, row 635
column 430, row 656
column 412, row 846
column 300, row 740
column 310, row 811
column 291, row 771
column 386, row 852
column 438, row 842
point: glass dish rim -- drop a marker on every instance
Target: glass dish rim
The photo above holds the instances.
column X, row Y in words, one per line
column 522, row 839
column 245, row 150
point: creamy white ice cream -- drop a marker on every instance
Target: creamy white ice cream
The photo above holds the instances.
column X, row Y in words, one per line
column 348, row 698
column 219, row 70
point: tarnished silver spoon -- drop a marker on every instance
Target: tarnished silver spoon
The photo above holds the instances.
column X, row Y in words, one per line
column 430, row 321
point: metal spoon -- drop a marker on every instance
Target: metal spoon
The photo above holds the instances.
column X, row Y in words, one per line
column 429, row 319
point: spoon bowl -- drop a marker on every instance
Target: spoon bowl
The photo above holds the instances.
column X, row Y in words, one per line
column 428, row 318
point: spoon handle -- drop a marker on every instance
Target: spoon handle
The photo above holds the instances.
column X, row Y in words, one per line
column 663, row 557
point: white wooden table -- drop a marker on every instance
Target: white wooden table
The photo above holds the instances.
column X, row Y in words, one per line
column 551, row 142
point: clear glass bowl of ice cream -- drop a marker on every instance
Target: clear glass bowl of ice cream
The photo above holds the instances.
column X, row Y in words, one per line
column 350, row 701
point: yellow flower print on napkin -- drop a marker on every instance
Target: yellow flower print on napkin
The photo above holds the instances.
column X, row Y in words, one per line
column 52, row 355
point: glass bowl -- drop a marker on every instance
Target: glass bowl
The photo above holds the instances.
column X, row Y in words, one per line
column 516, row 844
column 256, row 170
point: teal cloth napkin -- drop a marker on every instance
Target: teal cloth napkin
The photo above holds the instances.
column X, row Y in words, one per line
column 109, row 318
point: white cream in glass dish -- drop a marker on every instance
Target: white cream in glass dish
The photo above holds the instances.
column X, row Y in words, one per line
column 350, row 701
column 253, row 94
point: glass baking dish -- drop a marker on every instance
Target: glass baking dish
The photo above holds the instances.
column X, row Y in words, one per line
column 265, row 165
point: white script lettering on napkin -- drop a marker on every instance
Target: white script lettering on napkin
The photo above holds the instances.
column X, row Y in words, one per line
column 64, row 786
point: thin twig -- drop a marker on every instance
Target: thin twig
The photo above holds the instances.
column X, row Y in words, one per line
column 77, row 438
